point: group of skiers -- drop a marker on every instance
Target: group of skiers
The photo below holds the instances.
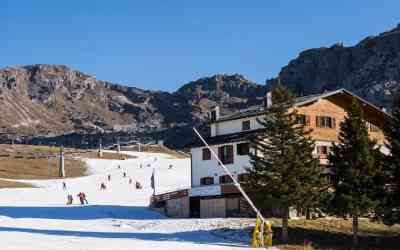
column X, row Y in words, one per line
column 82, row 195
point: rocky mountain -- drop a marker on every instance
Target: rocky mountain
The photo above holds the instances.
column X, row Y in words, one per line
column 52, row 100
column 370, row 69
column 49, row 100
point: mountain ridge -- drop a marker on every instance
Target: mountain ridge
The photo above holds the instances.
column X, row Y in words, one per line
column 43, row 100
column 52, row 100
column 370, row 68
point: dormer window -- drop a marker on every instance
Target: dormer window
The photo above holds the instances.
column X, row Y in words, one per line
column 245, row 125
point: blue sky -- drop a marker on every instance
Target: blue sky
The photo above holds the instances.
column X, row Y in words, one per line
column 162, row 44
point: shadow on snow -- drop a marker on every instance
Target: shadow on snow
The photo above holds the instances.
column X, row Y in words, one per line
column 197, row 237
column 88, row 212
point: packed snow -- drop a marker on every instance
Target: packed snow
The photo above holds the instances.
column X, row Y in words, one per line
column 115, row 218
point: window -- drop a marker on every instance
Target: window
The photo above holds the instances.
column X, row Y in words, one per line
column 322, row 150
column 225, row 179
column 245, row 125
column 206, row 154
column 325, row 122
column 207, row 180
column 243, row 177
column 243, row 149
column 225, row 154
column 303, row 119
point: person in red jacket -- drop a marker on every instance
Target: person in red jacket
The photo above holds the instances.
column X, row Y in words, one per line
column 80, row 196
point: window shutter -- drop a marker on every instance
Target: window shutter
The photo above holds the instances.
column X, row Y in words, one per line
column 317, row 121
column 220, row 153
column 229, row 159
column 333, row 122
column 307, row 120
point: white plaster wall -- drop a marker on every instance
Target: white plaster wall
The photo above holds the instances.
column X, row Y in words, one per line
column 384, row 149
column 211, row 168
column 234, row 126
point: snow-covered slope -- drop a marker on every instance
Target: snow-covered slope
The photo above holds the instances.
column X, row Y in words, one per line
column 116, row 218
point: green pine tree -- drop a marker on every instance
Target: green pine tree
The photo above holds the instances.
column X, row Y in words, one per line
column 391, row 204
column 353, row 163
column 283, row 167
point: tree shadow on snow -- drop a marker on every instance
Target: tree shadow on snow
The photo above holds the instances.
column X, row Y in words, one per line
column 88, row 212
column 197, row 237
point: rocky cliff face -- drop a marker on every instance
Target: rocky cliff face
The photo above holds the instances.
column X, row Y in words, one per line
column 370, row 69
column 43, row 100
column 46, row 100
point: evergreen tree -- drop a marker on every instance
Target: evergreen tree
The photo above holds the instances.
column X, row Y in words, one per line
column 391, row 204
column 283, row 167
column 352, row 162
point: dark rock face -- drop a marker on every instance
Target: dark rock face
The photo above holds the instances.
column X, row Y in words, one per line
column 51, row 100
column 231, row 92
column 370, row 69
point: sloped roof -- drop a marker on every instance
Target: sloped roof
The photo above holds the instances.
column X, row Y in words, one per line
column 300, row 101
column 227, row 138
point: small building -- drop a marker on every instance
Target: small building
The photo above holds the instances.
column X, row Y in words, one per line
column 173, row 204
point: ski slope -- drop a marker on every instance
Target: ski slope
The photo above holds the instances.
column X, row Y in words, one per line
column 115, row 218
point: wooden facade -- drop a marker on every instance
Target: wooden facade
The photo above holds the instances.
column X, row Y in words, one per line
column 336, row 107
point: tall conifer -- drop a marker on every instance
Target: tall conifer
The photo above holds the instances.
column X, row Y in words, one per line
column 283, row 166
column 391, row 205
column 352, row 161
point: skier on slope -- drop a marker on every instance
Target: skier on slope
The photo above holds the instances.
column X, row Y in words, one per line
column 69, row 199
column 84, row 198
column 80, row 196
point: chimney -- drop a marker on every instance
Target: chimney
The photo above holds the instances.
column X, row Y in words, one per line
column 268, row 100
column 214, row 114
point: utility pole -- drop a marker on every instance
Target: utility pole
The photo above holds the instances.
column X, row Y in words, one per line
column 61, row 170
column 100, row 148
column 153, row 181
column 118, row 146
